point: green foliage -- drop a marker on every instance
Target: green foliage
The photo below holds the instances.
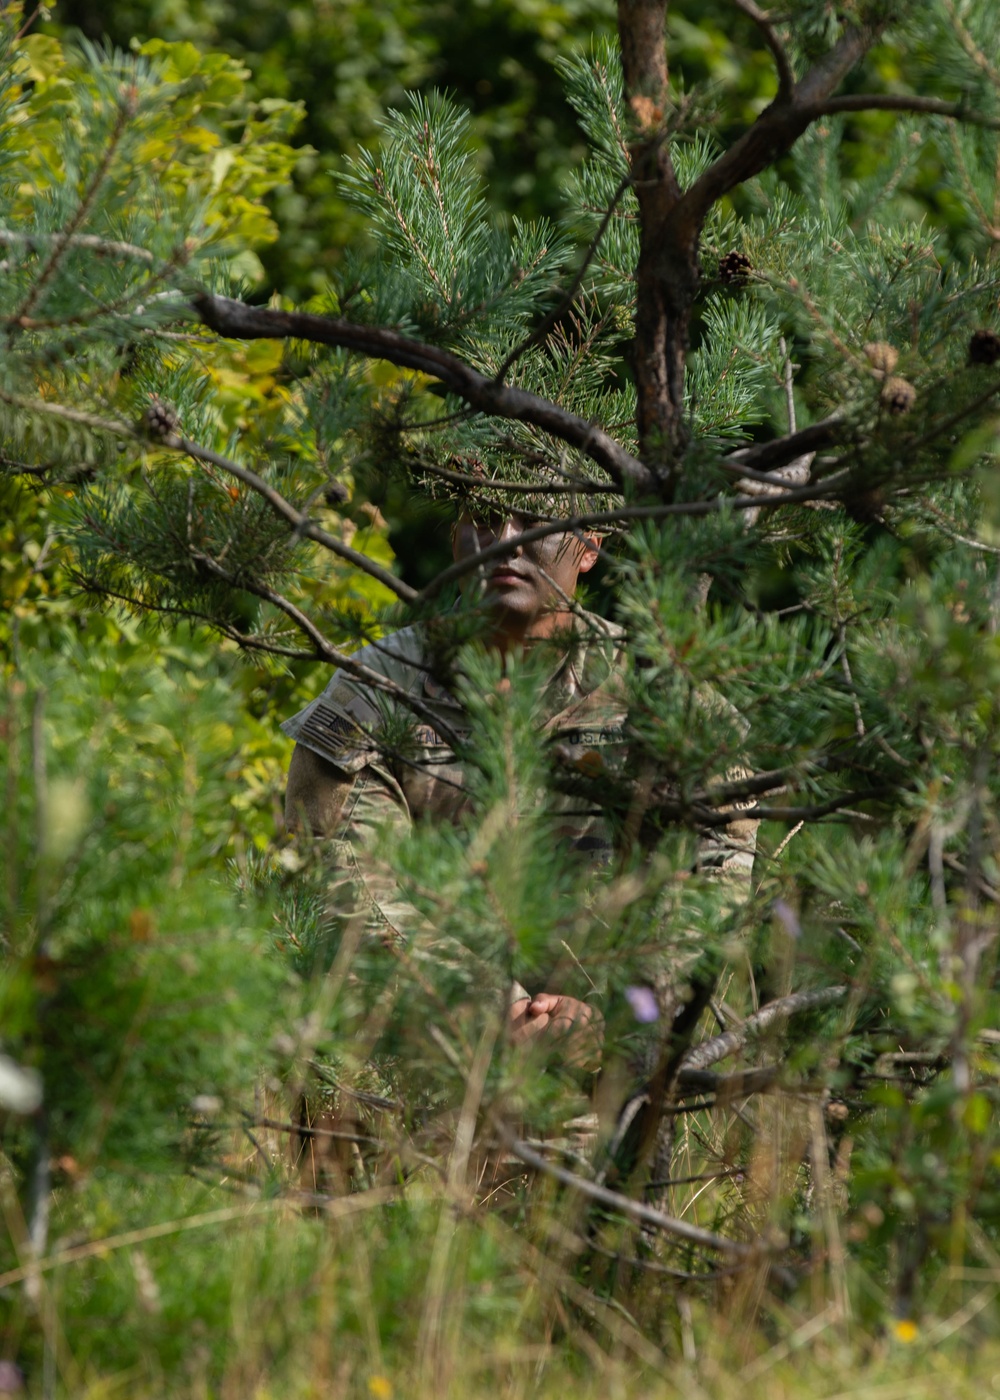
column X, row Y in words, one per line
column 132, row 982
column 828, row 662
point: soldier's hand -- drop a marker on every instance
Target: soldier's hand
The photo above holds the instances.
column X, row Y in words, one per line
column 550, row 1014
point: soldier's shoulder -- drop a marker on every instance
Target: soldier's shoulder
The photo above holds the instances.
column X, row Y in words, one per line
column 401, row 656
column 329, row 724
column 600, row 659
column 591, row 625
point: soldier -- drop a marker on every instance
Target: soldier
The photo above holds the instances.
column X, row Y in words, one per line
column 344, row 786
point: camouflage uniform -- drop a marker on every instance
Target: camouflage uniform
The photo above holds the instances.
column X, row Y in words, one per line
column 585, row 713
column 584, row 717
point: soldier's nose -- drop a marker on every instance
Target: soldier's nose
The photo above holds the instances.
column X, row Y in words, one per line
column 511, row 530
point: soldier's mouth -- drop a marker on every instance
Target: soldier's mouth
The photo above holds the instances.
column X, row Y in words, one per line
column 506, row 576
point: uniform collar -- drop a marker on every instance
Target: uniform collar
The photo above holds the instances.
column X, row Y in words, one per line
column 584, row 631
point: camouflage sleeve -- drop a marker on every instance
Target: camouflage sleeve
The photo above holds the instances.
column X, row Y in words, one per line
column 357, row 816
column 726, row 854
column 362, row 880
column 350, row 808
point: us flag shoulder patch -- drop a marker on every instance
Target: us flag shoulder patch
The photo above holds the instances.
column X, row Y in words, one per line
column 332, row 731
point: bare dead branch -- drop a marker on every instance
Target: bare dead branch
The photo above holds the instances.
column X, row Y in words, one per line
column 237, row 321
column 720, row 1047
column 670, row 1225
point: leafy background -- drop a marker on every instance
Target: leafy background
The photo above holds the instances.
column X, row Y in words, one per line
column 144, row 773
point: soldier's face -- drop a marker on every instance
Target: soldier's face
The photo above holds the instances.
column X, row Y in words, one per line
column 534, row 578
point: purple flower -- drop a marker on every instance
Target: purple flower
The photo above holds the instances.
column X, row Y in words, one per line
column 643, row 1004
column 11, row 1378
column 787, row 917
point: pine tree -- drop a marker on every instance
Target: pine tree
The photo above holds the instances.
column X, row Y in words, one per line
column 771, row 379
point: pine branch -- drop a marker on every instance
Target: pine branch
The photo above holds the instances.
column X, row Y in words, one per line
column 126, row 112
column 603, row 518
column 893, row 102
column 764, row 22
column 777, row 128
column 82, row 417
column 764, row 456
column 538, row 335
column 240, row 322
column 968, row 43
column 303, row 526
column 91, row 242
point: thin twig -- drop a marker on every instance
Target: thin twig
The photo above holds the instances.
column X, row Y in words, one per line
column 538, row 335
column 126, row 112
column 763, row 21
column 670, row 1225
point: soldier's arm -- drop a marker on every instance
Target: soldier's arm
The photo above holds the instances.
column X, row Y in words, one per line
column 349, row 812
column 316, row 794
column 726, row 854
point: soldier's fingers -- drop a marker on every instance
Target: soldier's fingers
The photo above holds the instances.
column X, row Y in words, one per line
column 526, row 1028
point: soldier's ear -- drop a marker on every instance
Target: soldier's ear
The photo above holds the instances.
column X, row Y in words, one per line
column 591, row 549
column 463, row 525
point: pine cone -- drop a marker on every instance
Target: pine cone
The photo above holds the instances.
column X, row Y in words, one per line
column 898, row 395
column 734, row 269
column 159, row 421
column 882, row 356
column 335, row 494
column 867, row 507
column 984, row 347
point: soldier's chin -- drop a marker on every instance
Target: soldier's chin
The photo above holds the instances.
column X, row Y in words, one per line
column 513, row 599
